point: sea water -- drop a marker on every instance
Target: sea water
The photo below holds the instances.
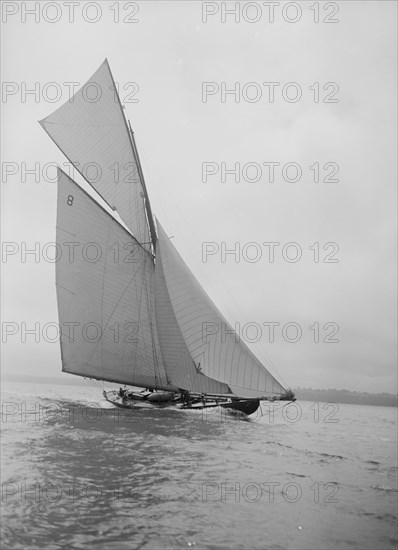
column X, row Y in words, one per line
column 79, row 473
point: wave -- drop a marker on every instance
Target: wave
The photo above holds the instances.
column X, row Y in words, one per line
column 385, row 489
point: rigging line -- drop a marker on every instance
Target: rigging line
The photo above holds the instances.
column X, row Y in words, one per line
column 97, row 383
column 127, row 130
column 155, row 343
column 159, row 347
column 156, row 368
column 139, row 331
column 137, row 205
column 103, row 293
column 148, row 209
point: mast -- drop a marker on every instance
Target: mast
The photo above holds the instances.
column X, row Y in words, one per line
column 138, row 163
column 144, row 188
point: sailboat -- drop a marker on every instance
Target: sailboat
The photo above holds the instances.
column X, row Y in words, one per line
column 130, row 310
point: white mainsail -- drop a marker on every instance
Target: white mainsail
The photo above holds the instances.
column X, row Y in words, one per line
column 105, row 290
column 209, row 337
column 91, row 130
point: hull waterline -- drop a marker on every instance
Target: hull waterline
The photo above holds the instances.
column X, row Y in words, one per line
column 135, row 400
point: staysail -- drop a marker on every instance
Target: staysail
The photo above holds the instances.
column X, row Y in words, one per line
column 105, row 291
column 91, row 130
column 210, row 339
column 180, row 367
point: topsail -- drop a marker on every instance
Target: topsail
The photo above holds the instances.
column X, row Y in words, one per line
column 91, row 130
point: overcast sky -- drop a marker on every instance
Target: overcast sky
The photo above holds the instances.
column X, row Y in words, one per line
column 169, row 52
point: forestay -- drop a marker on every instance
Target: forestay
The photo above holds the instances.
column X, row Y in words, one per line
column 181, row 369
column 210, row 339
column 91, row 130
column 105, row 290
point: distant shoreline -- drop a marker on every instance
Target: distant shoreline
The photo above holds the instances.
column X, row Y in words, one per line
column 346, row 396
column 302, row 394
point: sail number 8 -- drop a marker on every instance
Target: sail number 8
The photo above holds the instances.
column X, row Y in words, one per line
column 69, row 200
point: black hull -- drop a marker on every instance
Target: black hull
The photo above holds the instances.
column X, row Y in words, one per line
column 244, row 406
